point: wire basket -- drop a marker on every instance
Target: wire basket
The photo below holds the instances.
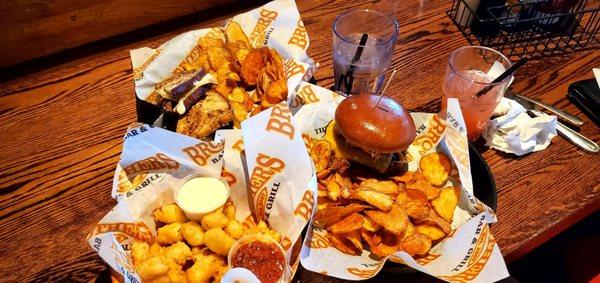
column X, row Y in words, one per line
column 528, row 28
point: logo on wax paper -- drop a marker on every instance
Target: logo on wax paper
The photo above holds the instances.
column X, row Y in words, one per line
column 229, row 177
column 280, row 121
column 286, row 243
column 238, row 145
column 308, row 141
column 138, row 72
column 193, row 61
column 258, row 33
column 202, row 152
column 307, row 95
column 369, row 271
column 137, row 230
column 140, row 181
column 305, row 208
column 136, row 129
column 160, row 161
column 477, row 256
column 122, row 260
column 299, row 37
column 426, row 260
column 292, row 68
column 317, row 239
column 266, row 167
column 431, row 137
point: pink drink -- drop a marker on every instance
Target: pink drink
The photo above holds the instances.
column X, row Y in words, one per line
column 466, row 75
column 476, row 111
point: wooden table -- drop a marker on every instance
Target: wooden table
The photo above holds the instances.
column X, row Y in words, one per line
column 63, row 121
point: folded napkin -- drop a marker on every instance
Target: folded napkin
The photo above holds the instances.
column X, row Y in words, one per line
column 514, row 131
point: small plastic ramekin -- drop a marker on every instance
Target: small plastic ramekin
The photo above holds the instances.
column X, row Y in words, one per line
column 197, row 215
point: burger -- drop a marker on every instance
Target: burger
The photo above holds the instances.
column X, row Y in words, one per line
column 373, row 131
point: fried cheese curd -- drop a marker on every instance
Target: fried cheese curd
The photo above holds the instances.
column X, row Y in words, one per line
column 190, row 251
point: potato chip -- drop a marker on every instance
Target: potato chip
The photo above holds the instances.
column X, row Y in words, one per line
column 435, row 220
column 370, row 238
column 404, row 178
column 222, row 89
column 370, row 225
column 388, row 245
column 446, row 203
column 410, row 230
column 348, row 224
column 415, row 202
column 217, row 56
column 205, row 42
column 277, row 92
column 436, row 168
column 324, row 202
column 239, row 113
column 355, row 238
column 384, row 187
column 416, row 244
column 432, row 232
column 324, row 218
column 234, row 33
column 237, row 95
column 419, row 183
column 333, row 188
column 251, row 66
column 240, row 54
column 381, row 201
column 394, row 221
column 344, row 245
column 320, row 153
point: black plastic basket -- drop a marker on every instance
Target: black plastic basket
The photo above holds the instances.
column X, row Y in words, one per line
column 528, row 28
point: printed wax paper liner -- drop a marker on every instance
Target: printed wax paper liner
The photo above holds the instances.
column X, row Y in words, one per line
column 272, row 160
column 469, row 253
column 276, row 24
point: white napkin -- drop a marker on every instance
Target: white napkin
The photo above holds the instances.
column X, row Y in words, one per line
column 514, row 131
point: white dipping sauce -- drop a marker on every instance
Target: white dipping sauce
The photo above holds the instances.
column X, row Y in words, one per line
column 201, row 195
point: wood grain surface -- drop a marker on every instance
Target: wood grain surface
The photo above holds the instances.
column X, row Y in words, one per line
column 33, row 28
column 62, row 128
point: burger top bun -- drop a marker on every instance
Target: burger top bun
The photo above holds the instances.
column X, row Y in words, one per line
column 387, row 128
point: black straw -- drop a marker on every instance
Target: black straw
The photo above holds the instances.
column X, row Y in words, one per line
column 509, row 72
column 349, row 77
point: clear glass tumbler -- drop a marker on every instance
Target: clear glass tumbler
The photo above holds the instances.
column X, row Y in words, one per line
column 363, row 47
column 469, row 70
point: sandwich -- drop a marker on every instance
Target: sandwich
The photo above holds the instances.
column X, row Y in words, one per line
column 373, row 131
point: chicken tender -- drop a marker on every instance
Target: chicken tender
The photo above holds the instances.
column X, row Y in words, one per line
column 169, row 234
column 170, row 213
column 214, row 220
column 192, row 233
column 218, row 241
